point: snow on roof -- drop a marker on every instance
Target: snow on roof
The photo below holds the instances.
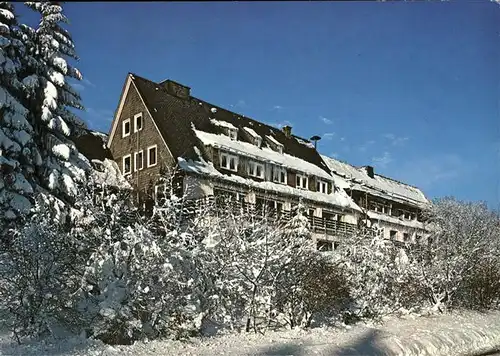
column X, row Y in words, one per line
column 273, row 140
column 303, row 142
column 252, row 132
column 102, row 135
column 379, row 185
column 202, row 167
column 392, row 219
column 264, row 154
column 225, row 124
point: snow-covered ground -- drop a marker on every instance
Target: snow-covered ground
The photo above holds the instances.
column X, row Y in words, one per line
column 457, row 334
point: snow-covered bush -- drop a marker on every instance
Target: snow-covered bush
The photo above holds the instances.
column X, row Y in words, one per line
column 137, row 283
column 382, row 277
column 313, row 286
column 461, row 257
column 138, row 287
column 39, row 270
column 252, row 262
column 481, row 286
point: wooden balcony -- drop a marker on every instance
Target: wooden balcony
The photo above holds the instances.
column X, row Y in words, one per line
column 319, row 225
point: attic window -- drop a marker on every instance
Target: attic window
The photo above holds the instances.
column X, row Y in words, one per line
column 233, row 134
column 301, row 181
column 126, row 128
column 256, row 169
column 322, row 186
column 256, row 139
column 138, row 122
column 229, row 162
column 279, row 175
column 275, row 145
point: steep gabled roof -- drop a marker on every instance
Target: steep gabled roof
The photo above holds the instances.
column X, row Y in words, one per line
column 378, row 185
column 175, row 118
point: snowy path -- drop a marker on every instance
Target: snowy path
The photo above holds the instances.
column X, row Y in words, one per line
column 452, row 334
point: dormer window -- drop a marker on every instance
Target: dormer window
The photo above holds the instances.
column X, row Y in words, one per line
column 274, row 144
column 229, row 162
column 232, row 133
column 256, row 139
column 322, row 186
column 302, row 182
column 256, row 169
column 279, row 175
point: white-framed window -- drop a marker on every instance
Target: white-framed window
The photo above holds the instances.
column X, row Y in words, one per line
column 138, row 122
column 255, row 169
column 258, row 141
column 228, row 161
column 232, row 133
column 127, row 164
column 405, row 215
column 302, row 182
column 138, row 160
column 160, row 193
column 152, row 156
column 322, row 186
column 279, row 175
column 126, row 128
column 279, row 148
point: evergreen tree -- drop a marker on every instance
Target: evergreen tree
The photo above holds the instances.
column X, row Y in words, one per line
column 18, row 152
column 51, row 100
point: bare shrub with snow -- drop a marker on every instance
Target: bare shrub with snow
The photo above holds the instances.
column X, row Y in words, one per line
column 373, row 274
column 39, row 269
column 459, row 264
column 312, row 287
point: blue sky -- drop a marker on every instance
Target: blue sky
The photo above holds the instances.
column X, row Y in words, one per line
column 411, row 88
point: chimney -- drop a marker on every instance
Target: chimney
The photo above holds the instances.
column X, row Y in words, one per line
column 176, row 89
column 370, row 172
column 287, row 130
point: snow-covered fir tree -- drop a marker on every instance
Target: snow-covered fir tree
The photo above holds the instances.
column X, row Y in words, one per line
column 18, row 152
column 51, row 100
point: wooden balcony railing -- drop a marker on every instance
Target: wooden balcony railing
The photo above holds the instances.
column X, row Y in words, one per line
column 320, row 225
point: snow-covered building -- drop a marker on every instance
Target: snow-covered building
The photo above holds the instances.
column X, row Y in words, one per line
column 158, row 126
column 219, row 153
column 389, row 205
